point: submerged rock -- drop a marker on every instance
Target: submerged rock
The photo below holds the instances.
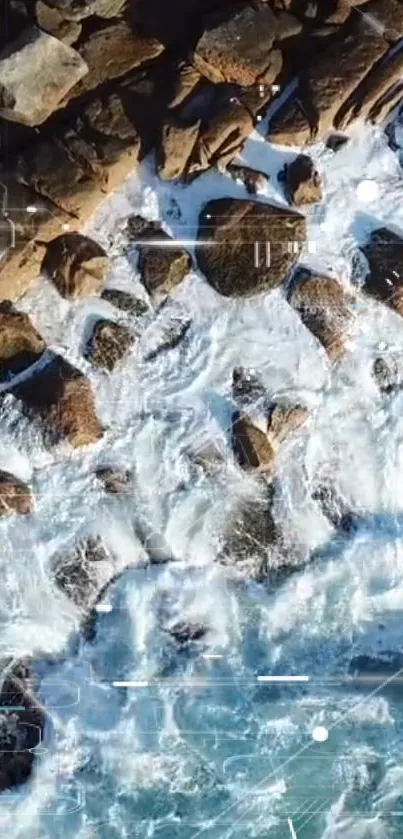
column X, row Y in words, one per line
column 115, row 481
column 247, row 389
column 251, row 536
column 388, row 373
column 21, row 730
column 125, row 301
column 246, row 248
column 171, row 336
column 75, row 264
column 83, row 572
column 184, row 632
column 334, row 507
column 108, row 344
column 15, row 495
column 20, row 343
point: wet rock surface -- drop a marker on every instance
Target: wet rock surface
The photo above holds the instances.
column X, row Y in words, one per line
column 384, row 281
column 301, row 181
column 76, row 265
column 162, row 264
column 227, row 254
column 109, row 343
column 324, row 308
column 21, row 730
column 15, row 495
column 115, row 481
column 20, row 343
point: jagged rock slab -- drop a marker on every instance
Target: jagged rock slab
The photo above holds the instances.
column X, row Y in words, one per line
column 109, row 343
column 62, row 399
column 50, row 20
column 36, row 72
column 15, row 495
column 327, row 85
column 384, row 253
column 111, row 52
column 176, row 147
column 81, row 9
column 76, row 265
column 388, row 16
column 283, row 421
column 227, row 252
column 20, row 343
column 371, row 91
column 323, row 306
column 237, row 49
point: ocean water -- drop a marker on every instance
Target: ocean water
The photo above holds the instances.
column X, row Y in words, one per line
column 201, row 748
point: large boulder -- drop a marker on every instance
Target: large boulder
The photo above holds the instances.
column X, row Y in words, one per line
column 21, row 728
column 384, row 253
column 176, row 147
column 108, row 344
column 62, row 398
column 75, row 264
column 20, row 343
column 246, row 248
column 162, row 264
column 237, row 49
column 324, row 308
column 111, row 52
column 36, row 72
column 15, row 496
column 221, row 136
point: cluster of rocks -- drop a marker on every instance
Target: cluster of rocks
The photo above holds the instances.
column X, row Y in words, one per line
column 88, row 87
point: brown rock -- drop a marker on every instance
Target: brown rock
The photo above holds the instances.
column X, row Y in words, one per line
column 36, row 72
column 187, row 80
column 237, row 49
column 81, row 9
column 251, row 446
column 340, row 12
column 289, row 126
column 108, row 344
column 253, row 179
column 20, row 343
column 177, row 144
column 113, row 133
column 372, row 89
column 387, row 15
column 323, row 307
column 287, row 26
column 302, row 181
column 112, row 52
column 283, row 421
column 61, row 397
column 115, row 481
column 76, row 265
column 125, row 301
column 256, row 98
column 384, row 253
column 336, row 141
column 51, row 21
column 221, row 136
column 246, row 248
column 161, row 268
column 15, row 496
column 50, row 171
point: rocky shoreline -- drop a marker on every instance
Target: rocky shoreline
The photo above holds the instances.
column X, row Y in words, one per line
column 190, row 89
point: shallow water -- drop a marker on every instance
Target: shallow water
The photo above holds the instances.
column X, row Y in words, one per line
column 202, row 748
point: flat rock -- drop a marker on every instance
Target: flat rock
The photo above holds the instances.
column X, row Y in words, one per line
column 60, row 396
column 20, row 343
column 36, row 73
column 125, row 301
column 81, row 9
column 236, row 50
column 162, row 267
column 108, row 344
column 323, row 306
column 384, row 253
column 302, row 181
column 233, row 240
column 116, row 481
column 76, row 265
column 21, row 731
column 15, row 495
column 176, row 147
column 111, row 52
column 252, row 179
column 251, row 446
